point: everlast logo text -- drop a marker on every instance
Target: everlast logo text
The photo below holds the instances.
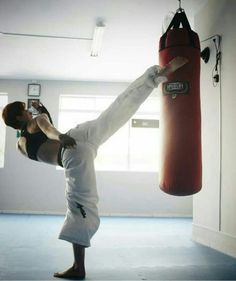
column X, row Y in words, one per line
column 174, row 88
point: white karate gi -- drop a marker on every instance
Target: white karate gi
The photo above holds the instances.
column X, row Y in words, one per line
column 82, row 220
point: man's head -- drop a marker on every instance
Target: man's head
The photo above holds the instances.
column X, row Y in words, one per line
column 14, row 114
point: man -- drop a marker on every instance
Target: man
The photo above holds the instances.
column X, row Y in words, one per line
column 76, row 151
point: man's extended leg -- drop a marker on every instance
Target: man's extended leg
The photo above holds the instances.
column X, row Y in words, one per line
column 77, row 271
column 123, row 108
column 126, row 104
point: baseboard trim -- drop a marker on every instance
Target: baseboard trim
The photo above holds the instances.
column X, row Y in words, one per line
column 217, row 240
column 102, row 214
column 26, row 212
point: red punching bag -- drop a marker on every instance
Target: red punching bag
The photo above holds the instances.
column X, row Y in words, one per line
column 180, row 122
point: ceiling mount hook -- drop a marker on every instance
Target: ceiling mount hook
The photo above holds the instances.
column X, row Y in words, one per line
column 180, row 8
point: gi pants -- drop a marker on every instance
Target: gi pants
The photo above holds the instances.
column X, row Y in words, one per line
column 82, row 220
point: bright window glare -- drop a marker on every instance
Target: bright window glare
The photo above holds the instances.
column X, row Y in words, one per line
column 3, row 102
column 130, row 148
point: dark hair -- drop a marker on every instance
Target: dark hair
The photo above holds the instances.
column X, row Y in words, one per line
column 11, row 111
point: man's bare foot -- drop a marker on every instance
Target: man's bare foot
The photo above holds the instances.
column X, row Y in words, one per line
column 71, row 273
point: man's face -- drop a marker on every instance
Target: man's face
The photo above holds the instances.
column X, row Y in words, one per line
column 25, row 114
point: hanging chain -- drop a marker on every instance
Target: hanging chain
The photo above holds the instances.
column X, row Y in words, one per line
column 180, row 8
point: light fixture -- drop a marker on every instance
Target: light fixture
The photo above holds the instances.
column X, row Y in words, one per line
column 97, row 39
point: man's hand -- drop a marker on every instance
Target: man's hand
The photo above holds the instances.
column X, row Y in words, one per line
column 67, row 141
column 38, row 106
column 35, row 104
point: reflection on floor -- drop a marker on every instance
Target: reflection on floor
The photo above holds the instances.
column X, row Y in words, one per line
column 122, row 249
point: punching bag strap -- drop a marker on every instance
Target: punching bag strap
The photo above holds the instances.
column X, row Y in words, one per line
column 179, row 18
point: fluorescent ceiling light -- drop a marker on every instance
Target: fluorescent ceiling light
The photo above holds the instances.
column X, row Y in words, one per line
column 97, row 40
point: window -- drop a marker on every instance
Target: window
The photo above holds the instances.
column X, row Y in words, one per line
column 3, row 102
column 136, row 143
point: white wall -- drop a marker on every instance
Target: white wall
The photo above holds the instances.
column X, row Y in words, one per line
column 214, row 209
column 28, row 186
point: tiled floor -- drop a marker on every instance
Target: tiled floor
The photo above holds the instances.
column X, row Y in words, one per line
column 122, row 249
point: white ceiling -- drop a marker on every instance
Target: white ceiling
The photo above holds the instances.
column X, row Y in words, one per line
column 130, row 42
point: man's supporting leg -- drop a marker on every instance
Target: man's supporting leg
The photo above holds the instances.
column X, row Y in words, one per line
column 77, row 271
column 79, row 255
